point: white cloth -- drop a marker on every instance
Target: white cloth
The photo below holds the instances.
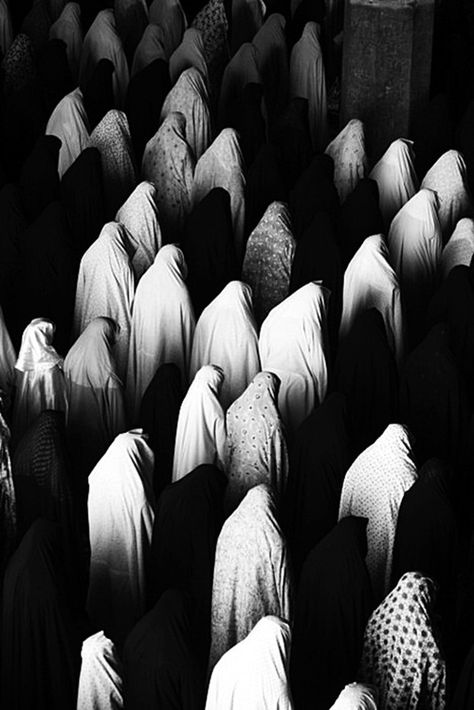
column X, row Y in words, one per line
column 226, row 335
column 162, row 323
column 370, row 282
column 251, row 572
column 190, row 53
column 357, row 696
column 308, row 81
column 106, row 287
column 273, row 64
column 222, row 165
column 100, row 681
column 68, row 28
column 396, row 178
column 200, row 433
column 373, row 488
column 254, row 673
column 102, row 41
column 139, row 216
column 150, row 47
column 347, row 150
column 70, row 124
column 170, row 16
column 6, row 28
column 448, row 179
column 460, row 247
column 120, row 508
column 292, row 344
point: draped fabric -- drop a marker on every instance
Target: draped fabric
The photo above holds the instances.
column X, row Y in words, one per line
column 212, row 22
column 121, row 514
column 246, row 19
column 396, row 178
column 190, row 97
column 241, row 70
column 314, row 192
column 401, row 655
column 293, row 345
column 68, row 28
column 39, row 178
column 6, row 29
column 256, row 443
column 373, row 488
column 14, row 222
column 106, row 287
column 291, row 138
column 70, row 124
column 19, row 64
column 7, row 365
column 96, row 407
column 359, row 218
column 464, row 691
column 169, row 15
column 254, row 673
column 251, row 572
column 201, row 434
column 162, row 323
column 190, row 53
column 8, row 508
column 265, row 184
column 307, row 80
column 168, row 163
column 131, row 19
column 268, row 259
column 357, row 696
column 100, row 681
column 150, row 47
column 459, row 248
column 272, row 63
column 139, row 215
column 333, row 605
column 226, row 336
column 98, row 92
column 347, row 150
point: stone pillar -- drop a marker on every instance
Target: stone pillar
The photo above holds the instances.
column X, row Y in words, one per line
column 386, row 66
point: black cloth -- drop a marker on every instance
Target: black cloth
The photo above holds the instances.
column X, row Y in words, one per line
column 333, row 605
column 98, row 92
column 465, row 141
column 158, row 416
column 188, row 519
column 54, row 75
column 319, row 459
column 432, row 133
column 247, row 119
column 39, row 177
column 314, row 192
column 291, row 138
column 208, row 246
column 159, row 663
column 359, row 218
column 265, row 184
column 463, row 698
column 13, row 224
column 82, row 196
column 366, row 373
column 41, row 641
column 23, row 123
column 131, row 20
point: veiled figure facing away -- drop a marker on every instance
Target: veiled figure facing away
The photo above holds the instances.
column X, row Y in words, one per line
column 396, row 178
column 68, row 28
column 357, row 696
column 170, row 16
column 162, row 323
column 251, row 572
column 100, row 681
column 70, row 124
column 190, row 53
column 226, row 336
column 460, row 247
column 347, row 150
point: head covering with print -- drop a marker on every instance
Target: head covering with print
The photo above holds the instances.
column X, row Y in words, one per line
column 347, row 150
column 459, row 248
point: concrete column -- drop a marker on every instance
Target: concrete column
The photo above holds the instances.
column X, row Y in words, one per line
column 386, row 66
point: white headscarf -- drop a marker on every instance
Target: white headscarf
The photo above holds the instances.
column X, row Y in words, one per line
column 190, row 53
column 370, row 282
column 162, row 323
column 37, row 353
column 150, row 47
column 357, row 696
column 6, row 28
column 273, row 64
column 102, row 41
column 139, row 215
column 350, row 161
column 460, row 247
column 120, row 508
column 240, row 71
column 68, row 28
column 226, row 335
column 100, row 681
column 170, row 16
column 254, row 673
column 251, row 572
column 292, row 344
column 448, row 179
column 308, row 81
column 396, row 178
column 200, row 434
column 70, row 124
column 373, row 488
column 222, row 165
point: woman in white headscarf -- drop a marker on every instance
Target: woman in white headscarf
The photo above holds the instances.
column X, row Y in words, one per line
column 272, row 63
column 39, row 376
column 150, row 47
column 70, row 124
column 251, row 572
column 256, row 445
column 401, row 654
column 370, row 282
column 100, row 681
column 448, row 179
column 190, row 97
column 308, row 81
column 226, row 335
column 373, row 488
column 168, row 162
column 240, row 71
column 200, row 433
column 139, row 216
column 121, row 515
column 357, row 696
column 96, row 407
column 68, row 28
column 460, row 247
column 106, row 287
column 6, row 28
column 190, row 53
column 7, row 364
column 222, row 165
column 350, row 160
column 162, row 323
column 293, row 345
column 396, row 178
column 170, row 16
column 254, row 673
column 102, row 41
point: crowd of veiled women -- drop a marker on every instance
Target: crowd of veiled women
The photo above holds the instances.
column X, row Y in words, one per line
column 236, row 366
